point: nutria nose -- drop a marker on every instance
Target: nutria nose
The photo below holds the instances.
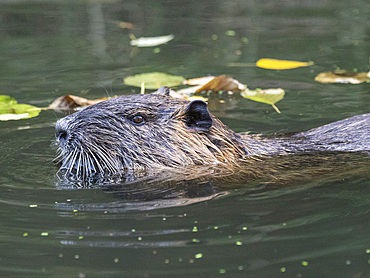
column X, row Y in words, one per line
column 61, row 134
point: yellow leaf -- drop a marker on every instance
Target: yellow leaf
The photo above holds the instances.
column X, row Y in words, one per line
column 275, row 64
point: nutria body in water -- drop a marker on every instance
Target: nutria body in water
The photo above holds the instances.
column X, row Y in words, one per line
column 137, row 133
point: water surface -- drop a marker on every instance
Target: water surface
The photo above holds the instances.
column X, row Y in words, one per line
column 309, row 225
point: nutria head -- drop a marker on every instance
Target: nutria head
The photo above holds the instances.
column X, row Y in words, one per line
column 141, row 132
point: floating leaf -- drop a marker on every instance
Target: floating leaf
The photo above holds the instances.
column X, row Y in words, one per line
column 153, row 80
column 210, row 83
column 151, row 41
column 199, row 81
column 275, row 64
column 222, row 83
column 343, row 76
column 7, row 99
column 71, row 102
column 225, row 83
column 230, row 33
column 198, row 256
column 11, row 110
column 268, row 96
column 125, row 25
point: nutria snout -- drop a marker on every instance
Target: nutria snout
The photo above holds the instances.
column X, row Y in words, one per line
column 135, row 133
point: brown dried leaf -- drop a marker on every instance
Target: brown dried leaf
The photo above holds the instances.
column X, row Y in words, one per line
column 222, row 83
column 343, row 76
column 71, row 102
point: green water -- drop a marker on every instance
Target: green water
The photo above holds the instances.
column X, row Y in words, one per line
column 317, row 226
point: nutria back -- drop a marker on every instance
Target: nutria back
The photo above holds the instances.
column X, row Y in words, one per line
column 139, row 133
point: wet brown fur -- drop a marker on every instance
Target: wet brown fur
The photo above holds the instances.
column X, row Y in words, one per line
column 103, row 138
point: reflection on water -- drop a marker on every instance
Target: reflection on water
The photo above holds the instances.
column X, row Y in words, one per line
column 137, row 205
column 306, row 217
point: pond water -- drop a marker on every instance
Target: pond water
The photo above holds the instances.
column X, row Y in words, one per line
column 313, row 226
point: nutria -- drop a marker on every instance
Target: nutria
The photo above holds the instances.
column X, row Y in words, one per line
column 137, row 133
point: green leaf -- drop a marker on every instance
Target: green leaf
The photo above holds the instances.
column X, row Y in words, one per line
column 11, row 110
column 153, row 80
column 7, row 99
column 268, row 96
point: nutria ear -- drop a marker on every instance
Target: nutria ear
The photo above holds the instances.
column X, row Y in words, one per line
column 165, row 91
column 197, row 116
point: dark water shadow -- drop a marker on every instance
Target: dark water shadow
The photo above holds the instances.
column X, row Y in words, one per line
column 181, row 187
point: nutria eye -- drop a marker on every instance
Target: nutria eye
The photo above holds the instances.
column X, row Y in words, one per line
column 137, row 119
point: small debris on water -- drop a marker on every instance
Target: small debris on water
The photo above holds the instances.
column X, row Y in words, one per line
column 304, row 263
column 198, row 256
column 222, row 271
column 230, row 33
